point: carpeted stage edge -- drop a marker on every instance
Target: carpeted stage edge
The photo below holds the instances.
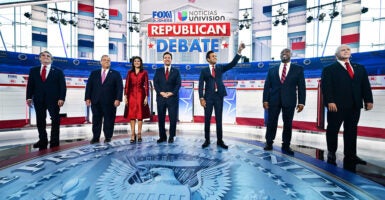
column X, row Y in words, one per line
column 363, row 131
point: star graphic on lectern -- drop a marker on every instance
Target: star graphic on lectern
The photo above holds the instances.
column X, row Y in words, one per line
column 151, row 45
column 225, row 45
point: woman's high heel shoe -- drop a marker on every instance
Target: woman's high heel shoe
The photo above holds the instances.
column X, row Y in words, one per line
column 139, row 137
column 132, row 141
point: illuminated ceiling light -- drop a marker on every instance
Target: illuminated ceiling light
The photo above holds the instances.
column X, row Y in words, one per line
column 283, row 21
column 247, row 25
column 334, row 14
column 364, row 10
column 309, row 19
column 245, row 15
column 276, row 22
column 28, row 15
column 135, row 18
column 241, row 26
column 98, row 25
column 321, row 16
column 63, row 21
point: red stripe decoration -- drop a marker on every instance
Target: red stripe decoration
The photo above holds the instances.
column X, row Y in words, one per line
column 298, row 45
column 352, row 38
column 85, row 8
column 113, row 12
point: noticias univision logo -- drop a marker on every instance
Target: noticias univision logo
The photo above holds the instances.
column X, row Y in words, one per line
column 182, row 15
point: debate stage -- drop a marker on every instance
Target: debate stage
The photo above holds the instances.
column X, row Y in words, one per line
column 181, row 170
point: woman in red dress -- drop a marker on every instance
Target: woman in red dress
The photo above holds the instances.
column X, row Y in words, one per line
column 135, row 93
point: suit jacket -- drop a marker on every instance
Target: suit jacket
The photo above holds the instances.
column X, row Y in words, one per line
column 208, row 81
column 49, row 92
column 171, row 85
column 339, row 88
column 288, row 92
column 106, row 93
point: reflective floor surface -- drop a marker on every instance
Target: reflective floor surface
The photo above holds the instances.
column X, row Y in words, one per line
column 183, row 170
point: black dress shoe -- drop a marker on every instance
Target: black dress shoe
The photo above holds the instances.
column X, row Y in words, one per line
column 39, row 144
column 287, row 150
column 107, row 140
column 206, row 144
column 331, row 158
column 268, row 147
column 94, row 141
column 160, row 140
column 171, row 140
column 222, row 144
column 358, row 160
column 53, row 145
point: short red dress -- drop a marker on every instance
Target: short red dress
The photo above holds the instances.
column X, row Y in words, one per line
column 136, row 89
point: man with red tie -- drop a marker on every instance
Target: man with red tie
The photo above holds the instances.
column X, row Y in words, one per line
column 211, row 97
column 46, row 90
column 167, row 82
column 284, row 87
column 345, row 87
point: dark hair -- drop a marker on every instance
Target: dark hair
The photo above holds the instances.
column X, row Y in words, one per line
column 208, row 54
column 165, row 53
column 132, row 63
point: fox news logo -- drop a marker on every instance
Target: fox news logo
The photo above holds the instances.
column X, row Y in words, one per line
column 162, row 16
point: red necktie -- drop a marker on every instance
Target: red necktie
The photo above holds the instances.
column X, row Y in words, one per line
column 103, row 76
column 43, row 73
column 349, row 69
column 213, row 74
column 283, row 76
column 166, row 73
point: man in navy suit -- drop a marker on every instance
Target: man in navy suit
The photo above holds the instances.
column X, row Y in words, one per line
column 104, row 92
column 284, row 85
column 345, row 87
column 167, row 82
column 46, row 90
column 214, row 90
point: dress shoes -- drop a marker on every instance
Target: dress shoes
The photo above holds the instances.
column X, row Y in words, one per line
column 331, row 158
column 287, row 151
column 206, row 144
column 40, row 145
column 160, row 140
column 107, row 140
column 171, row 140
column 222, row 144
column 268, row 147
column 53, row 145
column 355, row 160
column 94, row 141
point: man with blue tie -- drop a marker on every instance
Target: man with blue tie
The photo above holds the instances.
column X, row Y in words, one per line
column 167, row 82
column 46, row 90
column 211, row 97
column 104, row 92
column 284, row 87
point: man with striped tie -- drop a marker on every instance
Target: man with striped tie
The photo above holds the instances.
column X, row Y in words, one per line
column 284, row 88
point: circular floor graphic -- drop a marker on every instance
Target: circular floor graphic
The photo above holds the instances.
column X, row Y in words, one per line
column 181, row 170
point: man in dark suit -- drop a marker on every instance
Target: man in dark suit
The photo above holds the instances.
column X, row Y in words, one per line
column 345, row 87
column 167, row 82
column 284, row 85
column 46, row 90
column 104, row 91
column 214, row 90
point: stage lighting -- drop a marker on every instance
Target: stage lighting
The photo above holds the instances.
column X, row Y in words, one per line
column 135, row 18
column 309, row 19
column 281, row 10
column 136, row 28
column 321, row 17
column 131, row 29
column 28, row 15
column 73, row 22
column 105, row 26
column 102, row 14
column 364, row 10
column 241, row 26
column 245, row 15
column 63, row 21
column 283, row 21
column 98, row 25
column 54, row 19
column 247, row 25
column 334, row 14
column 276, row 22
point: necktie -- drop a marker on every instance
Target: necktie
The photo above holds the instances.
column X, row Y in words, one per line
column 349, row 69
column 166, row 73
column 43, row 73
column 283, row 76
column 213, row 74
column 103, row 76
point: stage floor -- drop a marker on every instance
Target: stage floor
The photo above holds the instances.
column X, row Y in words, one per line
column 183, row 170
